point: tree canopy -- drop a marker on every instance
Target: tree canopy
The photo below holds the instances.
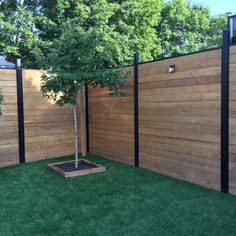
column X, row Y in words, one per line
column 154, row 27
column 41, row 21
column 19, row 35
column 82, row 57
column 187, row 27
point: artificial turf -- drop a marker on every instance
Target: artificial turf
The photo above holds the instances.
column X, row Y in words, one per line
column 124, row 200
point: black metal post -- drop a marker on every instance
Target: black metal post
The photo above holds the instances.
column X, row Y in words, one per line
column 20, row 107
column 136, row 113
column 225, row 112
column 87, row 117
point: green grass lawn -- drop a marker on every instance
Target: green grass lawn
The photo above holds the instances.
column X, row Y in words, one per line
column 125, row 200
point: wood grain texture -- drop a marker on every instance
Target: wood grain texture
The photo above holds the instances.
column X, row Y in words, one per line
column 232, row 121
column 179, row 119
column 111, row 122
column 8, row 120
column 48, row 127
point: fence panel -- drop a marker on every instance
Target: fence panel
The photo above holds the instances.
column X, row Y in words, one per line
column 9, row 119
column 111, row 123
column 232, row 122
column 48, row 127
column 179, row 117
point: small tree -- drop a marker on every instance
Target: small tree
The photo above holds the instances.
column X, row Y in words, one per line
column 82, row 57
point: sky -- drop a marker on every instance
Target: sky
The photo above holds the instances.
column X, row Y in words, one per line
column 219, row 6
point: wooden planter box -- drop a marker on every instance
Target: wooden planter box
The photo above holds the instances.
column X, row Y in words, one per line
column 67, row 168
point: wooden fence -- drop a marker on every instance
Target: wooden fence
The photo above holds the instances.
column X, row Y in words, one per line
column 48, row 127
column 179, row 119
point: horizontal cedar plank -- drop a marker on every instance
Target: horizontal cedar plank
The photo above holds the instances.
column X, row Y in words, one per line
column 109, row 132
column 9, row 163
column 212, row 121
column 232, row 188
column 196, row 136
column 181, row 112
column 29, row 90
column 44, row 146
column 210, row 71
column 198, row 161
column 8, row 135
column 104, row 116
column 46, row 120
column 51, row 141
column 113, row 141
column 186, row 127
column 211, row 88
column 51, row 153
column 50, row 125
column 48, row 138
column 8, row 83
column 13, row 129
column 127, row 86
column 117, row 152
column 182, row 171
column 109, row 122
column 8, row 72
column 47, row 111
column 6, row 124
column 125, row 93
column 7, row 118
column 208, row 96
column 113, row 99
column 232, row 49
column 9, row 141
column 128, row 160
column 232, row 150
column 38, row 109
column 29, row 132
column 109, row 114
column 105, row 90
column 113, row 110
column 181, row 142
column 42, row 107
column 111, row 137
column 117, row 128
column 9, row 154
column 182, row 105
column 232, row 139
column 204, row 80
column 148, row 147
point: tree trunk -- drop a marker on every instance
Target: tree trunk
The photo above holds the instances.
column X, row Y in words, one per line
column 76, row 134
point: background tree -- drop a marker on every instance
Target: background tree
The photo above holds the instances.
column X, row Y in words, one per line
column 29, row 27
column 182, row 26
column 81, row 57
column 154, row 27
column 19, row 35
column 213, row 35
column 187, row 27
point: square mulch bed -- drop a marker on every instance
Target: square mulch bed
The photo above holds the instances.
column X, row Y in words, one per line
column 67, row 168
